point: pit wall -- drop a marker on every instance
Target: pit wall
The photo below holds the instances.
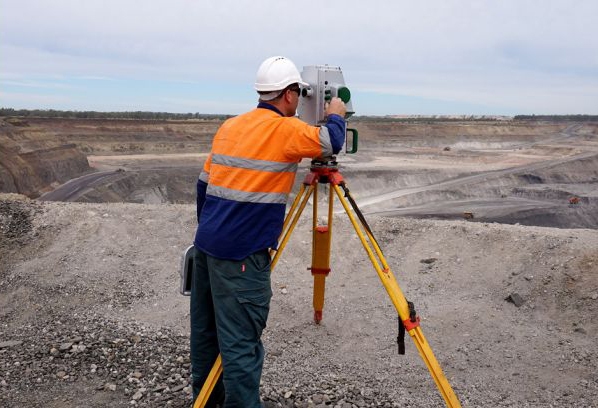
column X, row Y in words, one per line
column 31, row 167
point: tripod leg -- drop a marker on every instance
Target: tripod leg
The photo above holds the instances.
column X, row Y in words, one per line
column 209, row 385
column 320, row 261
column 291, row 220
column 400, row 303
column 296, row 202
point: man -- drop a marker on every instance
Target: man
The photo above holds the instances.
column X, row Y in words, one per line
column 241, row 201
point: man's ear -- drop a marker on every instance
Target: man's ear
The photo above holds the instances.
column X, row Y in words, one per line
column 287, row 96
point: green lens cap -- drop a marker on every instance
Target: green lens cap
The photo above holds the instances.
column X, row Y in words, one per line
column 344, row 94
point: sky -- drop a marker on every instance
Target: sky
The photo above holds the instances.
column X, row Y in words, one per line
column 451, row 57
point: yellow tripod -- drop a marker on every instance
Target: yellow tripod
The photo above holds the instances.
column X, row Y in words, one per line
column 326, row 172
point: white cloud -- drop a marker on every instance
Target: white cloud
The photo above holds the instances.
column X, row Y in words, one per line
column 35, row 84
column 203, row 106
column 26, row 100
column 449, row 50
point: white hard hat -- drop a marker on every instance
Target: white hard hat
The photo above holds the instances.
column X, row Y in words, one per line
column 276, row 73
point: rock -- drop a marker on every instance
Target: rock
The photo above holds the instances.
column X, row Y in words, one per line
column 160, row 388
column 515, row 298
column 65, row 346
column 110, row 387
column 178, row 388
column 10, row 343
column 428, row 260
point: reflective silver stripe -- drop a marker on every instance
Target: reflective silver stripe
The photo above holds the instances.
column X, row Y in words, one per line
column 325, row 142
column 203, row 176
column 254, row 164
column 244, row 196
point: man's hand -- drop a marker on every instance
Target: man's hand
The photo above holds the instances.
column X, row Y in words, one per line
column 337, row 106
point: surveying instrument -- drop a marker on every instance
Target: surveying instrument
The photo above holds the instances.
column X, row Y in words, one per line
column 326, row 82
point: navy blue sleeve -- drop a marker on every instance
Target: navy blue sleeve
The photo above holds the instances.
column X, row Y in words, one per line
column 336, row 128
column 202, row 186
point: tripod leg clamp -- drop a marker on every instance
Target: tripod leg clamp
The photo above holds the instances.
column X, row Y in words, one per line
column 319, row 271
column 405, row 325
column 401, row 337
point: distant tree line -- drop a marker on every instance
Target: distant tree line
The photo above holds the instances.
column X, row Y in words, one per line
column 554, row 118
column 422, row 119
column 51, row 113
column 431, row 119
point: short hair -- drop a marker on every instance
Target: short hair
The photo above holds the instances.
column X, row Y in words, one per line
column 271, row 96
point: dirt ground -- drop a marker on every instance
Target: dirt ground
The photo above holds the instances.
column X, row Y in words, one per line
column 103, row 272
column 90, row 313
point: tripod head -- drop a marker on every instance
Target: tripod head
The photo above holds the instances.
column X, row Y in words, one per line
column 324, row 163
column 325, row 82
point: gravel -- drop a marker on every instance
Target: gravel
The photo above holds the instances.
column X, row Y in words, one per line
column 90, row 314
column 144, row 367
column 140, row 366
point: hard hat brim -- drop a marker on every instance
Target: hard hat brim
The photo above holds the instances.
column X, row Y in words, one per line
column 277, row 87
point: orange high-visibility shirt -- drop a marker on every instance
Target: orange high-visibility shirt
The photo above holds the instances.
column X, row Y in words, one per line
column 250, row 173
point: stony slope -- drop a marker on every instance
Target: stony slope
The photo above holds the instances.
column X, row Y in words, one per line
column 37, row 154
column 90, row 314
column 31, row 162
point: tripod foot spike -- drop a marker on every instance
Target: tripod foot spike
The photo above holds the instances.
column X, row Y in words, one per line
column 317, row 316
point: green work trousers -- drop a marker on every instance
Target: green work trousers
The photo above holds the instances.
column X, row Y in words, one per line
column 230, row 301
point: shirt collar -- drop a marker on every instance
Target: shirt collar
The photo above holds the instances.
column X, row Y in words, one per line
column 265, row 105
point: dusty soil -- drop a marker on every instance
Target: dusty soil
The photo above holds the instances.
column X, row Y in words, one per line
column 90, row 313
